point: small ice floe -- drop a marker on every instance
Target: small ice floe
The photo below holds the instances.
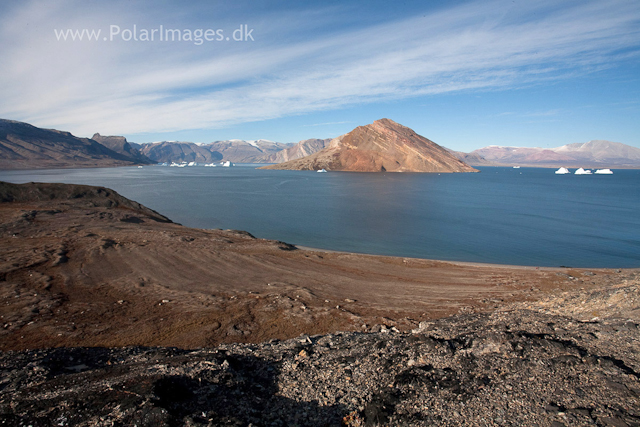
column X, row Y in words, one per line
column 562, row 171
column 210, row 165
column 583, row 172
column 604, row 172
column 322, row 171
column 192, row 164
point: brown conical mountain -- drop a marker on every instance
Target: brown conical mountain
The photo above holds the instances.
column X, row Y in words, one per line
column 383, row 145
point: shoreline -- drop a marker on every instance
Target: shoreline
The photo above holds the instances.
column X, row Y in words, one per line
column 554, row 248
column 261, row 165
column 471, row 263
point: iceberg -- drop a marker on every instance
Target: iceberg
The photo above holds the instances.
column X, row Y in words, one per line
column 562, row 171
column 226, row 164
column 322, row 170
column 582, row 172
column 604, row 172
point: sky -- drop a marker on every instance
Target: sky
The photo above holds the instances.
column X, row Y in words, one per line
column 465, row 74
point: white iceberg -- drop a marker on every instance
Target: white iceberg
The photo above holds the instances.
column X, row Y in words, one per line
column 322, row 170
column 604, row 172
column 226, row 164
column 562, row 171
column 582, row 172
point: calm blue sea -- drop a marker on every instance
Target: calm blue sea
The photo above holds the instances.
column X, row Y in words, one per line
column 525, row 216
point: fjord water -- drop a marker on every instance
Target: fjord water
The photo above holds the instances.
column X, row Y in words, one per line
column 525, row 216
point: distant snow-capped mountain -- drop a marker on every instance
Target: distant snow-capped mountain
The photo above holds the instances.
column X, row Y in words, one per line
column 595, row 153
column 233, row 150
column 242, row 151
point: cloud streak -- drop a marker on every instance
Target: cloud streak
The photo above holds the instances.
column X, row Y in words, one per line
column 134, row 88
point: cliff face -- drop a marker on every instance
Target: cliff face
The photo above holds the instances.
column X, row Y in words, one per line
column 120, row 145
column 381, row 146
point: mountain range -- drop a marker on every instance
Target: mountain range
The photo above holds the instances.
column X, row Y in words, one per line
column 383, row 146
column 174, row 151
column 596, row 153
column 23, row 146
column 241, row 151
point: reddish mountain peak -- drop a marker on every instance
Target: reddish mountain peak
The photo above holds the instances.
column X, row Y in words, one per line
column 383, row 145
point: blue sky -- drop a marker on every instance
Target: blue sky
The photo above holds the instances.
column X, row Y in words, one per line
column 465, row 74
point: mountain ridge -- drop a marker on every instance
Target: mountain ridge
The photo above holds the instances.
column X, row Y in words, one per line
column 24, row 146
column 594, row 153
column 178, row 151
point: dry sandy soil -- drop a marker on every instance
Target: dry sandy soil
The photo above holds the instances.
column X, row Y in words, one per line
column 83, row 266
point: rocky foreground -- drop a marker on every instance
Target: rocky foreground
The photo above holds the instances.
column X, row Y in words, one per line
column 517, row 367
column 91, row 283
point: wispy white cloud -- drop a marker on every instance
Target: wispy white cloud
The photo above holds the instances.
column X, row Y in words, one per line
column 329, row 123
column 138, row 87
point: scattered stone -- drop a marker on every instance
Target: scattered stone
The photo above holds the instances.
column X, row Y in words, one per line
column 518, row 366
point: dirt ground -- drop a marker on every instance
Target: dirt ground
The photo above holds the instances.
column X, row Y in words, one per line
column 91, row 270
